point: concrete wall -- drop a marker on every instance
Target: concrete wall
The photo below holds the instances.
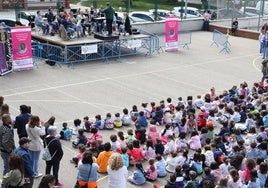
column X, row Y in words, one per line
column 197, row 24
column 159, row 27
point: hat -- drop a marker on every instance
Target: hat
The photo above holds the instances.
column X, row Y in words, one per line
column 24, row 140
column 51, row 129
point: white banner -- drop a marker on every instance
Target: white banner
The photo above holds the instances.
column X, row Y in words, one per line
column 134, row 43
column 89, row 49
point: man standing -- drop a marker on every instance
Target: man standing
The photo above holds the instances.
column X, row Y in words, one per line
column 21, row 121
column 109, row 14
column 7, row 144
column 22, row 151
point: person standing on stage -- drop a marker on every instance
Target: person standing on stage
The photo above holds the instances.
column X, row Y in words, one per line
column 109, row 14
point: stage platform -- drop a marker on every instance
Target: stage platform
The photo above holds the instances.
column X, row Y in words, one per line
column 86, row 49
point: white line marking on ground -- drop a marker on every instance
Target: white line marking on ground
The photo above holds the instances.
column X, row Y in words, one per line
column 254, row 63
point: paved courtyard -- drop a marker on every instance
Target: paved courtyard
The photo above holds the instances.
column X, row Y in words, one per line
column 97, row 87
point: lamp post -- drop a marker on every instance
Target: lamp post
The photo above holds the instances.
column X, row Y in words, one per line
column 155, row 9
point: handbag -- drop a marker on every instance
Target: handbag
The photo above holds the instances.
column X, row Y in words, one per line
column 83, row 184
column 46, row 154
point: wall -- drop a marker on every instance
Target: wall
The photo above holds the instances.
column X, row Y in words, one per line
column 197, row 24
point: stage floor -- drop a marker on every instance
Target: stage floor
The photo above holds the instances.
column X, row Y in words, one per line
column 79, row 41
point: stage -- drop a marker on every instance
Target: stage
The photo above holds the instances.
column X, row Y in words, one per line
column 86, row 49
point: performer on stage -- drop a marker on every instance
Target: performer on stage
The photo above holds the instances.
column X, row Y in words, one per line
column 109, row 14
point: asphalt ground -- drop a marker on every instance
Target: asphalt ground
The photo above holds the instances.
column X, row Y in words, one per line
column 94, row 88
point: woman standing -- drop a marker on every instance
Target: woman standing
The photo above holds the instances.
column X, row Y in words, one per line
column 117, row 172
column 87, row 171
column 15, row 176
column 35, row 128
column 56, row 152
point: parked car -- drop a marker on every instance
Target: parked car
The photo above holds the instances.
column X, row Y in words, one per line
column 11, row 22
column 250, row 11
column 191, row 12
column 162, row 13
column 120, row 17
column 26, row 15
column 147, row 16
column 225, row 13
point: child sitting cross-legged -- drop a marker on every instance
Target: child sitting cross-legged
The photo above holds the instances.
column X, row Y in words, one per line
column 160, row 166
column 95, row 135
column 138, row 177
column 81, row 139
column 151, row 171
column 192, row 183
column 135, row 153
column 65, row 133
column 79, row 155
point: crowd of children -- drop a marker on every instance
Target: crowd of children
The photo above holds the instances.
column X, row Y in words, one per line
column 214, row 141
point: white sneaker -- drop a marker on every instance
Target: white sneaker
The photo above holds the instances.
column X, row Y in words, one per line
column 38, row 175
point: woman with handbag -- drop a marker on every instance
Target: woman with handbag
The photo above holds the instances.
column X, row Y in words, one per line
column 15, row 177
column 87, row 172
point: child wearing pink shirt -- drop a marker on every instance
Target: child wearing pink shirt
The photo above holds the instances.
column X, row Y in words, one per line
column 151, row 171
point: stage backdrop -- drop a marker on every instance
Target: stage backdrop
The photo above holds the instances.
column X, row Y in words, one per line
column 5, row 52
column 22, row 48
column 172, row 30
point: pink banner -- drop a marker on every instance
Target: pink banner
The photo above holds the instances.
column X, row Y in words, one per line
column 172, row 30
column 22, row 48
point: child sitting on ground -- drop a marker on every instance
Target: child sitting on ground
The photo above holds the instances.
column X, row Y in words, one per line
column 160, row 166
column 129, row 137
column 135, row 154
column 151, row 171
column 149, row 151
column 115, row 145
column 65, row 133
column 138, row 177
column 125, row 156
column 79, row 155
column 117, row 121
column 81, row 139
column 95, row 135
column 99, row 123
column 192, row 183
column 126, row 118
column 87, row 124
column 94, row 149
column 159, row 147
column 108, row 122
column 140, row 134
column 77, row 126
column 121, row 139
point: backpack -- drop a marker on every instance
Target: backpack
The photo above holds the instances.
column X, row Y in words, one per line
column 46, row 154
column 67, row 134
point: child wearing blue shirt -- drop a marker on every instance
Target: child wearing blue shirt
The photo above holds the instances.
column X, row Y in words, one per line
column 138, row 177
column 125, row 157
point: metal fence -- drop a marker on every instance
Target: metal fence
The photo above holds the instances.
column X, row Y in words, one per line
column 70, row 54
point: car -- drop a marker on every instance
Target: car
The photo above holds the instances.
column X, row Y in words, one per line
column 162, row 13
column 120, row 17
column 191, row 12
column 26, row 15
column 147, row 16
column 250, row 11
column 225, row 13
column 11, row 22
column 259, row 7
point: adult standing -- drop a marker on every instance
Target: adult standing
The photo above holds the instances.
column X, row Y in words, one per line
column 23, row 151
column 127, row 24
column 15, row 176
column 206, row 18
column 35, row 128
column 264, row 69
column 87, row 171
column 56, row 152
column 7, row 144
column 109, row 14
column 117, row 172
column 265, row 45
column 21, row 121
